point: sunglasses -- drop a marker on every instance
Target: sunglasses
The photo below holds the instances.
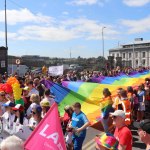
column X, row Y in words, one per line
column 33, row 112
column 114, row 117
column 3, row 95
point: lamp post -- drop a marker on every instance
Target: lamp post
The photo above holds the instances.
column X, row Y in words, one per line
column 103, row 40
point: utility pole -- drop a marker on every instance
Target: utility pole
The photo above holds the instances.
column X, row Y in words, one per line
column 103, row 40
column 6, row 43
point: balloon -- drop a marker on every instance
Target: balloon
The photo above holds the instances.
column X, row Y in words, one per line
column 1, row 88
column 12, row 80
column 7, row 88
column 17, row 91
column 20, row 101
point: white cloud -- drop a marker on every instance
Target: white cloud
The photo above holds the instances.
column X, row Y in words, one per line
column 137, row 26
column 67, row 30
column 136, row 3
column 87, row 2
column 40, row 27
column 24, row 16
column 65, row 13
column 48, row 33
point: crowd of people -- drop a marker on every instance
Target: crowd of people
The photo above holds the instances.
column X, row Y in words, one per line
column 125, row 107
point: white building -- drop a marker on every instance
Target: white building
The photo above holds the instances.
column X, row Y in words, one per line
column 133, row 54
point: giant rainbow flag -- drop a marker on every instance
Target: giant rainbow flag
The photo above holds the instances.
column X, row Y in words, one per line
column 90, row 94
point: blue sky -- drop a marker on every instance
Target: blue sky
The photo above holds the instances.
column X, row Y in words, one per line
column 53, row 27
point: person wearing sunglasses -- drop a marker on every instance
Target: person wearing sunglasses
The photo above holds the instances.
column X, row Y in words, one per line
column 19, row 115
column 122, row 133
column 36, row 117
column 144, row 131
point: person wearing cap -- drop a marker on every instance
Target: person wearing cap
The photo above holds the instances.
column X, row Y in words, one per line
column 19, row 115
column 144, row 131
column 36, row 117
column 9, row 116
column 45, row 104
column 122, row 133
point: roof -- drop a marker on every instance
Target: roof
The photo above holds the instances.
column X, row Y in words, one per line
column 137, row 42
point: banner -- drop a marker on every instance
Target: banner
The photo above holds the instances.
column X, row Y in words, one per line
column 56, row 70
column 48, row 135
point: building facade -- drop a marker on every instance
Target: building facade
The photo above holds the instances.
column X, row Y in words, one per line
column 133, row 54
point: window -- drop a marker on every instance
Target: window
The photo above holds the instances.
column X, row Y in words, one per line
column 136, row 62
column 124, row 55
column 117, row 54
column 130, row 55
column 143, row 54
column 143, row 62
column 136, row 54
column 113, row 54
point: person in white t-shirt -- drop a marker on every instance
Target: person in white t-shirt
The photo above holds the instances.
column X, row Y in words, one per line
column 36, row 117
column 32, row 89
column 49, row 97
column 19, row 115
column 35, row 99
column 8, row 117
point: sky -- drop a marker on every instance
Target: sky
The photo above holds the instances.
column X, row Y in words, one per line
column 53, row 28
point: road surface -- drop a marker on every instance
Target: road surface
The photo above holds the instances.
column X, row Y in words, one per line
column 89, row 143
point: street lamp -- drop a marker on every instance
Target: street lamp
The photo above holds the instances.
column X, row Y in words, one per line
column 103, row 40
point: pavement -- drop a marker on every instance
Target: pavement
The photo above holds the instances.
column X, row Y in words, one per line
column 89, row 143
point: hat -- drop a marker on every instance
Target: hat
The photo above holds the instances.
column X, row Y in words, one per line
column 26, row 88
column 38, row 108
column 45, row 103
column 119, row 113
column 108, row 141
column 144, row 125
column 9, row 104
column 18, row 107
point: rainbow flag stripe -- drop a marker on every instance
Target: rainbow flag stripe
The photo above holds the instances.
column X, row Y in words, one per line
column 90, row 94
